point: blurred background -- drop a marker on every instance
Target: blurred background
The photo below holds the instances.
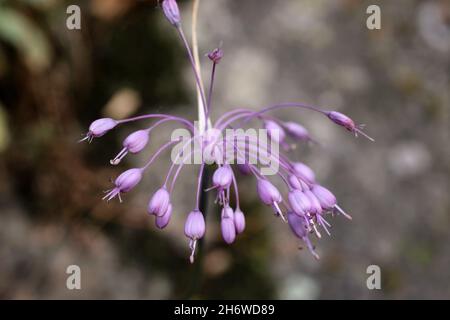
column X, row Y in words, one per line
column 127, row 60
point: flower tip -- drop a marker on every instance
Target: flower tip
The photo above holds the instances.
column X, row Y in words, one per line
column 171, row 12
column 216, row 55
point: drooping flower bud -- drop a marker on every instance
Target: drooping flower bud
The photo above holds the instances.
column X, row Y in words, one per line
column 304, row 172
column 270, row 196
column 297, row 183
column 124, row 183
column 159, row 203
column 162, row 221
column 344, row 121
column 326, row 199
column 215, row 55
column 194, row 227
column 227, row 225
column 299, row 202
column 239, row 221
column 268, row 193
column 172, row 12
column 300, row 229
column 99, row 127
column 274, row 131
column 134, row 143
column 297, row 131
column 222, row 177
column 315, row 208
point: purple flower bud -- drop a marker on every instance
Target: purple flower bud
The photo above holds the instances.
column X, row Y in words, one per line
column 268, row 193
column 296, row 183
column 222, row 177
column 227, row 225
column 244, row 169
column 300, row 229
column 171, row 11
column 99, row 127
column 304, row 172
column 134, row 143
column 163, row 221
column 216, row 55
column 194, row 228
column 124, row 183
column 299, row 202
column 274, row 131
column 344, row 121
column 316, row 208
column 297, row 224
column 239, row 221
column 297, row 131
column 159, row 202
column 326, row 199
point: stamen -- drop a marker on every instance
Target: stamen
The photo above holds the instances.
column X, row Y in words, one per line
column 349, row 217
column 192, row 246
column 119, row 157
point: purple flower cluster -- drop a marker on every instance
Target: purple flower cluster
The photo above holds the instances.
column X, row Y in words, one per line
column 304, row 207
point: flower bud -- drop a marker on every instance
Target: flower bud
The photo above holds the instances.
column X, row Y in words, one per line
column 162, row 221
column 299, row 202
column 194, row 228
column 300, row 229
column 304, row 172
column 267, row 192
column 215, row 55
column 326, row 199
column 159, row 203
column 316, row 208
column 294, row 182
column 171, row 11
column 298, row 225
column 99, row 127
column 342, row 120
column 124, row 183
column 136, row 141
column 274, row 131
column 227, row 225
column 239, row 221
column 222, row 177
column 297, row 131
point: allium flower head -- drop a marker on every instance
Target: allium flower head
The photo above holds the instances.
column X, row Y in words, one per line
column 297, row 197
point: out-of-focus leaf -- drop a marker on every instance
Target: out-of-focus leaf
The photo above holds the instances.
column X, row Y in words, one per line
column 22, row 33
column 4, row 130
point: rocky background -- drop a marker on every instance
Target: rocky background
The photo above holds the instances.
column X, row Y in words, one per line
column 127, row 60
